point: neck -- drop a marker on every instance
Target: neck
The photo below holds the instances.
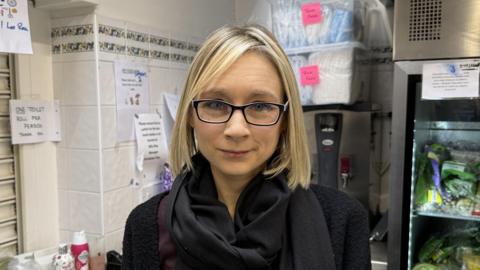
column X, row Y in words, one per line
column 229, row 188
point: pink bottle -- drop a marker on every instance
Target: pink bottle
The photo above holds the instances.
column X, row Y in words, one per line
column 80, row 250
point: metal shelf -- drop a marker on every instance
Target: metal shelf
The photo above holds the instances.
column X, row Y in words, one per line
column 447, row 216
column 320, row 47
column 446, row 125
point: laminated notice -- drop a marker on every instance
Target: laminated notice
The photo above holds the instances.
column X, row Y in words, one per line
column 450, row 80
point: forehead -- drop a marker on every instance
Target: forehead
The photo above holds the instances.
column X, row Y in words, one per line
column 251, row 76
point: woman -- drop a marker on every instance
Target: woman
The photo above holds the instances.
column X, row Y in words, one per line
column 242, row 197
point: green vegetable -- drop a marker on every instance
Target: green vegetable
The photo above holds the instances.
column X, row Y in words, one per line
column 458, row 188
column 424, row 179
column 454, row 174
column 442, row 254
column 425, row 266
column 429, row 248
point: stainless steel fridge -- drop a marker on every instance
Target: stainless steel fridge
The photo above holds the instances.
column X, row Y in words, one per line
column 434, row 219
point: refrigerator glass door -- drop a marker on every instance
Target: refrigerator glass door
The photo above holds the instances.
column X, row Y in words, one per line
column 444, row 216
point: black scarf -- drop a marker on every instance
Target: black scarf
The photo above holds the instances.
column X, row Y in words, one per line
column 273, row 228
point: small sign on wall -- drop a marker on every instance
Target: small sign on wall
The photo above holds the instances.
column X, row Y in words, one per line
column 131, row 87
column 151, row 141
column 34, row 121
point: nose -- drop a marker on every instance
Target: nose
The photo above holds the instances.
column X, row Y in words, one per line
column 237, row 127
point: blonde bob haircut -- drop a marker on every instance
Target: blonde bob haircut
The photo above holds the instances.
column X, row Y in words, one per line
column 221, row 49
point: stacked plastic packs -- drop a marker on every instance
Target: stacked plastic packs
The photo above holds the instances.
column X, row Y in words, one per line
column 326, row 35
column 343, row 79
column 287, row 26
column 297, row 62
column 337, row 23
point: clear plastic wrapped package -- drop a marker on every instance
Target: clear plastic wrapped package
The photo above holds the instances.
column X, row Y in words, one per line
column 298, row 61
column 340, row 21
column 344, row 74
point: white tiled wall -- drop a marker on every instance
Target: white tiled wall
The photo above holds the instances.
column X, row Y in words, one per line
column 117, row 205
column 118, row 167
column 83, row 170
column 85, row 212
column 81, row 128
column 113, row 240
column 109, row 127
column 107, row 83
column 160, row 78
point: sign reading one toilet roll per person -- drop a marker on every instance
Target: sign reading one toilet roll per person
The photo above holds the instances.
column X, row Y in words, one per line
column 34, row 121
column 15, row 27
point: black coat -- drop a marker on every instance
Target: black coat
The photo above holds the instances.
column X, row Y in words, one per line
column 346, row 219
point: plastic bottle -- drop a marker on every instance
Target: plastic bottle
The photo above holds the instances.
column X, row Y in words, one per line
column 64, row 259
column 80, row 250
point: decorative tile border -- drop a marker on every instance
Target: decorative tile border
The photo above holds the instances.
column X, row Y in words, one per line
column 159, row 55
column 111, row 31
column 137, row 36
column 176, row 57
column 62, row 44
column 177, row 44
column 193, row 47
column 56, row 48
column 139, row 52
column 76, row 47
column 112, row 48
column 75, row 30
column 160, row 41
column 381, row 55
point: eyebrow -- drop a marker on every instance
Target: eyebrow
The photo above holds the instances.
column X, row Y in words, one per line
column 220, row 93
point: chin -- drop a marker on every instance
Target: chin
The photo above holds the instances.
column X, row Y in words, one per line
column 238, row 169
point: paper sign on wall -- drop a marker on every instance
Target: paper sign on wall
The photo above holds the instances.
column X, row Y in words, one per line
column 450, row 80
column 311, row 13
column 309, row 75
column 131, row 82
column 169, row 114
column 151, row 142
column 14, row 27
column 34, row 121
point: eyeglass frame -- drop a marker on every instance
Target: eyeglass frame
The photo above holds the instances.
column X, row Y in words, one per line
column 283, row 108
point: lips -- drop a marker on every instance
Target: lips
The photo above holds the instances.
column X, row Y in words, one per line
column 234, row 153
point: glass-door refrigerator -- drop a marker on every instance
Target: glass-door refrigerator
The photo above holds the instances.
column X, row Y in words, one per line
column 434, row 193
column 436, row 202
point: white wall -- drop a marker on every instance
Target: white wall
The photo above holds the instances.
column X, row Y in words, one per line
column 253, row 11
column 38, row 170
column 190, row 17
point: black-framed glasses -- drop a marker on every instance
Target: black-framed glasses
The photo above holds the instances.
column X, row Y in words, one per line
column 255, row 113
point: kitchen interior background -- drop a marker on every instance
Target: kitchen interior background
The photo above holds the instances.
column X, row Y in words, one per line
column 85, row 181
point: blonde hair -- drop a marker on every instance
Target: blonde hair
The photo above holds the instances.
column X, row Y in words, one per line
column 222, row 48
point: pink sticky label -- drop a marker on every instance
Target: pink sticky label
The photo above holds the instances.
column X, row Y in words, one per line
column 311, row 13
column 309, row 75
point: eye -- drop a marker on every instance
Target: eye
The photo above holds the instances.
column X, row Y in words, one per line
column 262, row 107
column 215, row 105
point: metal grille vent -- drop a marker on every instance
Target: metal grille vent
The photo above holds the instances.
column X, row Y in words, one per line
column 425, row 20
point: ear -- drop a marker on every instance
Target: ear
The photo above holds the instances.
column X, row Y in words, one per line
column 191, row 118
column 284, row 123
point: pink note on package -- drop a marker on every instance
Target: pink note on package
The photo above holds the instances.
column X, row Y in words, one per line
column 309, row 75
column 311, row 13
